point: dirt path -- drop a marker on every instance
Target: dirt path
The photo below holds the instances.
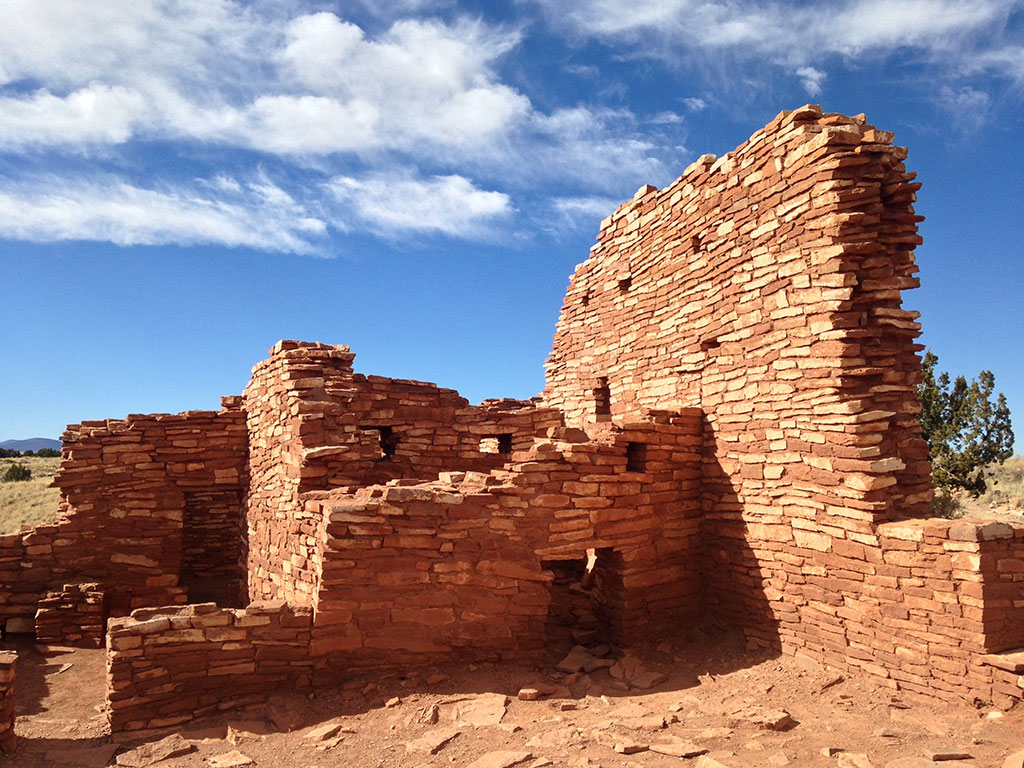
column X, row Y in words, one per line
column 716, row 698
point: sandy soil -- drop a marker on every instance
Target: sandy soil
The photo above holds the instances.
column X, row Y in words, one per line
column 717, row 697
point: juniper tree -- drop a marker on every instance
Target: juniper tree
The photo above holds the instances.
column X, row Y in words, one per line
column 965, row 429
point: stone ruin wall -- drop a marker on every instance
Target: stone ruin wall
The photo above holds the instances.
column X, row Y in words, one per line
column 453, row 569
column 765, row 288
column 168, row 667
column 414, row 573
column 8, row 662
column 743, row 327
column 129, row 490
column 315, row 425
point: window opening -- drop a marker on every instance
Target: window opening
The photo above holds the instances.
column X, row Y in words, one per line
column 500, row 444
column 636, row 457
column 708, row 344
column 603, row 399
column 387, row 440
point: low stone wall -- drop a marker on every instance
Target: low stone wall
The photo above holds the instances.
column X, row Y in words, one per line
column 8, row 741
column 166, row 666
column 73, row 616
column 926, row 605
column 420, row 573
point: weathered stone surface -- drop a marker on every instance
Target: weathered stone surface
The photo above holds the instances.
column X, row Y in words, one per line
column 153, row 752
column 232, row 759
column 481, row 711
column 501, row 759
column 431, row 743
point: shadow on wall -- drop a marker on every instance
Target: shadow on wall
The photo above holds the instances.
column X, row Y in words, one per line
column 737, row 591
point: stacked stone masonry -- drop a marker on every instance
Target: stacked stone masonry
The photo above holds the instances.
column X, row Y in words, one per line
column 167, row 667
column 729, row 430
column 125, row 486
column 74, row 616
column 8, row 661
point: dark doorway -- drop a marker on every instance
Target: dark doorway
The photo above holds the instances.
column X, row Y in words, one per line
column 212, row 550
column 572, row 616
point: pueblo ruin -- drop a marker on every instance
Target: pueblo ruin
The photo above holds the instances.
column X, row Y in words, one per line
column 729, row 428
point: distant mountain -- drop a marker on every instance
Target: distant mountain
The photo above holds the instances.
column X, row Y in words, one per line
column 32, row 444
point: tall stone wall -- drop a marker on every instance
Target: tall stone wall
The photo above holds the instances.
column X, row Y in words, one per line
column 765, row 288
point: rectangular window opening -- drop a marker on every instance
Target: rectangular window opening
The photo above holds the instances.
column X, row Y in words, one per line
column 603, row 399
column 636, row 457
column 387, row 439
column 500, row 444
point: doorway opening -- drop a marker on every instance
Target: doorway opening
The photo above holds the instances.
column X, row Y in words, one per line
column 212, row 548
column 573, row 615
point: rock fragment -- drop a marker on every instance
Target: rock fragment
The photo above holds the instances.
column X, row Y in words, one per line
column 432, row 743
column 153, row 752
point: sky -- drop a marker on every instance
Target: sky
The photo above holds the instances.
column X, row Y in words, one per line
column 184, row 182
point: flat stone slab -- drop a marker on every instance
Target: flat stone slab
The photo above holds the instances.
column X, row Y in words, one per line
column 1013, row 661
column 501, row 759
column 430, row 744
column 155, row 751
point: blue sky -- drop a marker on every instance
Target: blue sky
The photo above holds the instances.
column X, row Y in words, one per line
column 183, row 183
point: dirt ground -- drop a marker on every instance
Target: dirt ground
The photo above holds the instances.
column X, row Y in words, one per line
column 716, row 697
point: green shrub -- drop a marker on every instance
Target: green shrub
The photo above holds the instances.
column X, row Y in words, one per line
column 946, row 504
column 16, row 473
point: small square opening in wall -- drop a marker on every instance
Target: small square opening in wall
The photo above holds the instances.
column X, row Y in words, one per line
column 387, row 440
column 625, row 283
column 636, row 457
column 500, row 444
column 709, row 344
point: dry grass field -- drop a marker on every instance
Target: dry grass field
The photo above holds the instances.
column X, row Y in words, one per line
column 28, row 502
column 1006, row 488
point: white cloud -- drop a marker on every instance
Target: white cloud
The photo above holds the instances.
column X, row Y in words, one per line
column 695, row 104
column 968, row 108
column 96, row 114
column 108, row 82
column 212, row 71
column 811, row 79
column 583, row 212
column 786, row 31
column 666, row 118
column 398, row 204
column 50, row 209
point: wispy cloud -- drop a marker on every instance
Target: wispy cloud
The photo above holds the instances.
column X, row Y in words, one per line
column 792, row 31
column 968, row 107
column 260, row 216
column 811, row 79
column 583, row 212
column 956, row 39
column 305, row 90
column 396, row 204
